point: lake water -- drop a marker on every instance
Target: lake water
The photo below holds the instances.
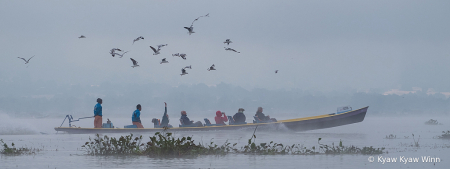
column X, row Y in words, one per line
column 64, row 150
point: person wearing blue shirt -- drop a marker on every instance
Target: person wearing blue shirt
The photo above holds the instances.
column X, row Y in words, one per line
column 98, row 114
column 136, row 117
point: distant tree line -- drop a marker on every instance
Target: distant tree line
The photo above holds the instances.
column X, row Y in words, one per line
column 50, row 99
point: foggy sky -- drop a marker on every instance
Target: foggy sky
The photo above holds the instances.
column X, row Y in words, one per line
column 318, row 45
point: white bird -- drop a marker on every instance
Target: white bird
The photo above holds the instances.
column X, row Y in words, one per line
column 162, row 45
column 182, row 55
column 113, row 51
column 211, row 68
column 156, row 51
column 191, row 28
column 231, row 49
column 228, row 41
column 183, row 72
column 138, row 38
column 26, row 61
column 82, row 36
column 164, row 61
column 121, row 55
column 135, row 63
column 276, row 71
column 190, row 67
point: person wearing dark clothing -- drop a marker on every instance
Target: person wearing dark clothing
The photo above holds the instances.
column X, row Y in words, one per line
column 220, row 118
column 239, row 117
column 136, row 117
column 262, row 117
column 187, row 121
column 98, row 114
column 165, row 118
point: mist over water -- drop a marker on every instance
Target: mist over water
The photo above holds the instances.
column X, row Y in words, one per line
column 14, row 126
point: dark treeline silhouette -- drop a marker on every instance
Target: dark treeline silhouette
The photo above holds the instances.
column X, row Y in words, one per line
column 51, row 99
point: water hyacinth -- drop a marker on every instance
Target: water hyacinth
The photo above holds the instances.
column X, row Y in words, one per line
column 163, row 144
column 6, row 150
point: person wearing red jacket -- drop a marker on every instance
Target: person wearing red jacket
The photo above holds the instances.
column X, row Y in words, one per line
column 219, row 119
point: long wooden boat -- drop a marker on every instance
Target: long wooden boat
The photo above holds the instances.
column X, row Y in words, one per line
column 298, row 124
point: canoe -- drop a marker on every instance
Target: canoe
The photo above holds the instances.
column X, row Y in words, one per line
column 298, row 124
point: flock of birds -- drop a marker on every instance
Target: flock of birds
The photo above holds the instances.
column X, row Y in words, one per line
column 118, row 52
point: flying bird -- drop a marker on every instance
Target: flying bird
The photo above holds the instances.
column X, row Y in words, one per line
column 113, row 51
column 183, row 72
column 138, row 38
column 121, row 55
column 164, row 61
column 26, row 61
column 183, row 56
column 135, row 63
column 190, row 67
column 276, row 71
column 156, row 51
column 162, row 45
column 212, row 67
column 228, row 41
column 82, row 36
column 191, row 28
column 231, row 49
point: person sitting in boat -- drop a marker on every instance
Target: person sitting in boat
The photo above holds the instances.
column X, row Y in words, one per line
column 262, row 117
column 239, row 117
column 220, row 118
column 98, row 114
column 187, row 121
column 136, row 117
column 165, row 118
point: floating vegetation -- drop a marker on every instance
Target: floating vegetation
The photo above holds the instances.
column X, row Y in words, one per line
column 164, row 144
column 445, row 135
column 391, row 136
column 432, row 122
column 15, row 151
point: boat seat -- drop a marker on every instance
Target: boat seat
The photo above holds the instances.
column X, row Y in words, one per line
column 130, row 126
column 232, row 122
column 208, row 123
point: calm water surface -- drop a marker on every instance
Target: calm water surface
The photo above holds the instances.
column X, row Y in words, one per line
column 64, row 150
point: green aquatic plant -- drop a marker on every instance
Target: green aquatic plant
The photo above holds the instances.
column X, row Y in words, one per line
column 7, row 150
column 163, row 144
column 445, row 135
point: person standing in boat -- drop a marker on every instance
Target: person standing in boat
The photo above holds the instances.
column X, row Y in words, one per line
column 220, row 118
column 165, row 118
column 262, row 117
column 187, row 121
column 136, row 117
column 98, row 114
column 239, row 117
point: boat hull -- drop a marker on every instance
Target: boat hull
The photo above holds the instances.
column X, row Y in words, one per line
column 299, row 124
